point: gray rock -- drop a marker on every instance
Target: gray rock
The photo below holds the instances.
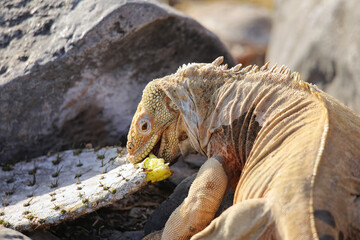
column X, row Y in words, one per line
column 117, row 235
column 6, row 233
column 72, row 72
column 185, row 167
column 133, row 235
column 41, row 234
column 195, row 160
column 320, row 40
column 244, row 28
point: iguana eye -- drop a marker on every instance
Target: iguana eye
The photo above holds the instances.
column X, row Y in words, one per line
column 144, row 125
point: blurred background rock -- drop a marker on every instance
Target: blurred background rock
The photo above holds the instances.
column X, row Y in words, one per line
column 243, row 26
column 320, row 40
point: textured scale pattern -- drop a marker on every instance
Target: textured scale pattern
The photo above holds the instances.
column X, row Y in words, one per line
column 210, row 176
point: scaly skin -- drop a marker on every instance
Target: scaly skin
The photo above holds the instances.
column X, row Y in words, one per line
column 290, row 151
column 155, row 120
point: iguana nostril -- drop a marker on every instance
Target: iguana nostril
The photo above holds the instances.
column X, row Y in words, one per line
column 130, row 145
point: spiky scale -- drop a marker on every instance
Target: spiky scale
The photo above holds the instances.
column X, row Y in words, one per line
column 255, row 68
column 236, row 68
column 218, row 61
column 288, row 73
column 274, row 68
column 265, row 67
column 247, row 69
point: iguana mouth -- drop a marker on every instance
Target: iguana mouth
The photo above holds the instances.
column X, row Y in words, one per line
column 140, row 154
column 156, row 148
column 153, row 147
column 157, row 145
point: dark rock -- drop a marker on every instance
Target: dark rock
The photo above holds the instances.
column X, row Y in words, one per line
column 14, row 3
column 83, row 79
column 159, row 217
column 107, row 234
column 132, row 235
column 226, row 202
column 3, row 70
column 6, row 38
column 244, row 28
column 44, row 28
column 185, row 167
column 42, row 235
column 154, row 235
column 195, row 160
column 6, row 233
column 23, row 58
column 137, row 212
column 320, row 40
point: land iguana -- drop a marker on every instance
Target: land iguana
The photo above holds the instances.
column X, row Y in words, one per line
column 290, row 151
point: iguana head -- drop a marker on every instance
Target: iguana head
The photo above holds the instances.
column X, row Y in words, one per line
column 153, row 128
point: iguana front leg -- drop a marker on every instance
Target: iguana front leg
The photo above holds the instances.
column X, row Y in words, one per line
column 248, row 220
column 201, row 204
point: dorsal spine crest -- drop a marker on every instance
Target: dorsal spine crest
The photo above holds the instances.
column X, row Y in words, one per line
column 216, row 69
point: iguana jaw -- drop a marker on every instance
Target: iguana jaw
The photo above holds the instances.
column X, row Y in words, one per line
column 143, row 152
column 162, row 144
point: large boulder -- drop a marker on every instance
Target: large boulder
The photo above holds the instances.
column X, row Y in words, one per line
column 321, row 40
column 72, row 72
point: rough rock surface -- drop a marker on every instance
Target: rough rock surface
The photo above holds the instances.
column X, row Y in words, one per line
column 185, row 167
column 244, row 28
column 72, row 71
column 41, row 234
column 321, row 40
